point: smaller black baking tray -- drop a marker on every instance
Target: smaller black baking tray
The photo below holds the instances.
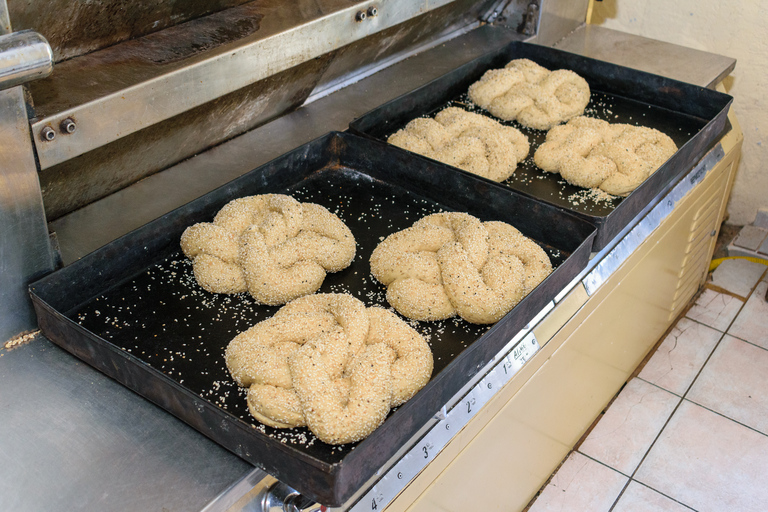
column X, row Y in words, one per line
column 133, row 310
column 694, row 117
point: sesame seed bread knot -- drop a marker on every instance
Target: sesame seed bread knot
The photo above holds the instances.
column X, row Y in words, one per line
column 531, row 94
column 469, row 141
column 258, row 357
column 412, row 366
column 270, row 245
column 450, row 264
column 327, row 362
column 613, row 157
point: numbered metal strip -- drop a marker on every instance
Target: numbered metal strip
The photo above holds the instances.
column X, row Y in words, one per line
column 426, row 449
column 650, row 222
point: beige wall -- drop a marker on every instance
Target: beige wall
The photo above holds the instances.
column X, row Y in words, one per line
column 736, row 29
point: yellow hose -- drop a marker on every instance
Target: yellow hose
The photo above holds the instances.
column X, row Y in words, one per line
column 716, row 263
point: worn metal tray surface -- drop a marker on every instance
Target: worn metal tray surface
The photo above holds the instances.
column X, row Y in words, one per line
column 692, row 116
column 133, row 310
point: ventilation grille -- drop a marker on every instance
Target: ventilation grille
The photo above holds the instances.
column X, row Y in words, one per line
column 697, row 253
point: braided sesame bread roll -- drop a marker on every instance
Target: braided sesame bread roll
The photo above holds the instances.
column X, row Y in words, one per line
column 328, row 362
column 270, row 245
column 593, row 153
column 450, row 264
column 531, row 94
column 466, row 140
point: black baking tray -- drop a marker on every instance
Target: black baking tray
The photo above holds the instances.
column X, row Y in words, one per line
column 133, row 310
column 694, row 117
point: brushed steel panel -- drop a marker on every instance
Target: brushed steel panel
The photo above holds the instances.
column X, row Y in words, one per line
column 73, row 439
column 107, row 169
column 685, row 64
column 125, row 88
column 25, row 250
column 77, row 28
column 367, row 56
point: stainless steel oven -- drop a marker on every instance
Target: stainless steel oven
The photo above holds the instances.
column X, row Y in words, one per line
column 149, row 107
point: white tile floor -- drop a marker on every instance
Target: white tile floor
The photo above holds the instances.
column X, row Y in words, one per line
column 690, row 432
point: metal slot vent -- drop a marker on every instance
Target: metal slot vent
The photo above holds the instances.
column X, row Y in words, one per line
column 697, row 252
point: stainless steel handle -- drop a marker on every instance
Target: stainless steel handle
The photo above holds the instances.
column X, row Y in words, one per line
column 282, row 498
column 24, row 56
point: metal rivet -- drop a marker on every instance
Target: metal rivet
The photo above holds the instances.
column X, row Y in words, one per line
column 68, row 126
column 47, row 134
column 360, row 16
column 372, row 11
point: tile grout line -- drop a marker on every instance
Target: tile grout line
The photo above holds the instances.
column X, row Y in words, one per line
column 631, row 478
column 725, row 417
column 682, row 399
column 721, row 332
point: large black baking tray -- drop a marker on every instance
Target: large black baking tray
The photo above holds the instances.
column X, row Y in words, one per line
column 133, row 310
column 692, row 116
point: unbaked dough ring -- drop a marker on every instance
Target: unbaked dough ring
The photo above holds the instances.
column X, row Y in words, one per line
column 593, row 153
column 451, row 263
column 531, row 94
column 275, row 406
column 270, row 245
column 466, row 140
column 336, row 419
column 260, row 354
column 311, row 364
column 413, row 362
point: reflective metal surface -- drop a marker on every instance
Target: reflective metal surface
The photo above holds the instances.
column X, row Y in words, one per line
column 81, row 180
column 25, row 251
column 685, row 64
column 24, row 56
column 558, row 18
column 73, row 439
column 259, row 492
column 77, row 28
column 5, row 22
column 90, row 227
column 98, row 173
column 125, row 88
column 362, row 58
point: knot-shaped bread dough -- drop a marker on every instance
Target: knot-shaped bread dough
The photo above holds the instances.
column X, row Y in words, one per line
column 328, row 362
column 531, row 94
column 452, row 263
column 270, row 245
column 469, row 141
column 593, row 153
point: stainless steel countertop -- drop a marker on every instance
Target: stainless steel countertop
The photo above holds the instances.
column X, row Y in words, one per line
column 71, row 438
column 657, row 57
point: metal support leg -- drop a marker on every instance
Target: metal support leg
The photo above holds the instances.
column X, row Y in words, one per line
column 25, row 248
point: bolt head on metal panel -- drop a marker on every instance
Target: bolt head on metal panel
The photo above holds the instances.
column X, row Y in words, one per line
column 360, row 16
column 372, row 11
column 68, row 126
column 47, row 134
